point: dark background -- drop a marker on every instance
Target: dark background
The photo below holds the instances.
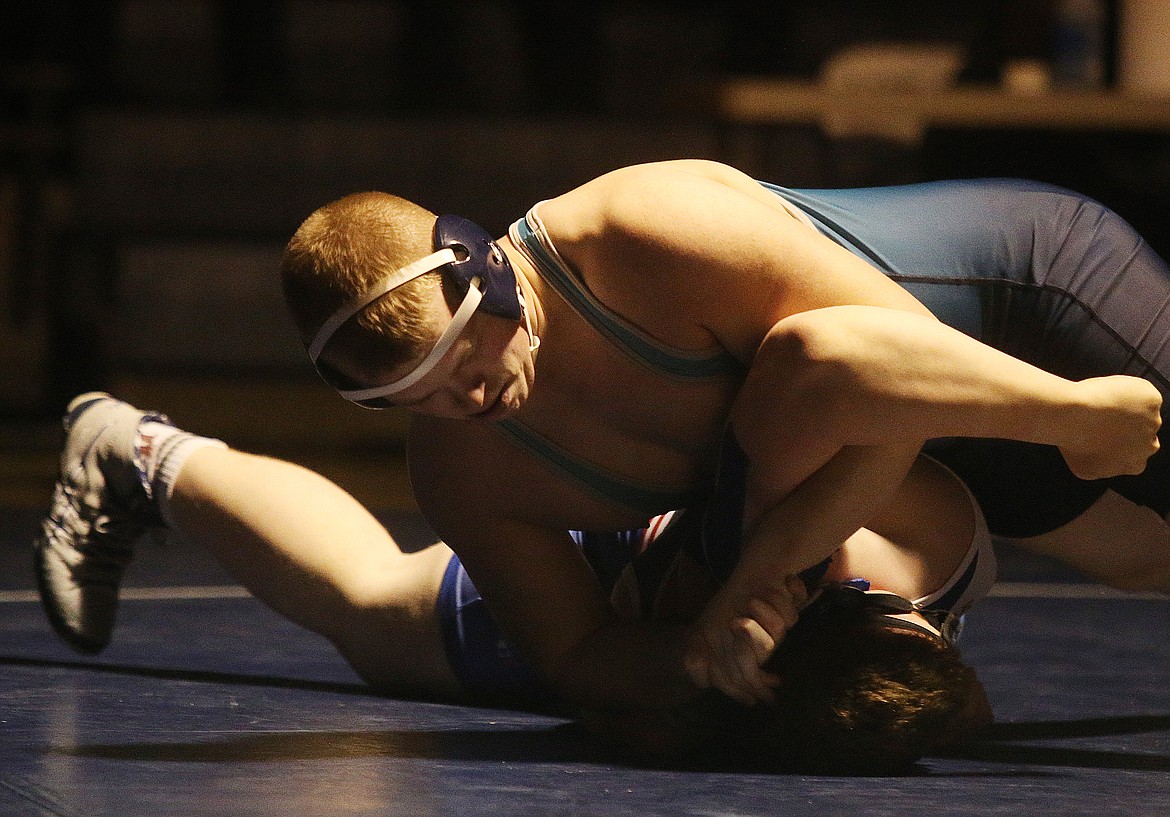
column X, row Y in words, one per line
column 154, row 157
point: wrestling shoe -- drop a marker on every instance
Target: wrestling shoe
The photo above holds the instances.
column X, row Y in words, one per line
column 100, row 507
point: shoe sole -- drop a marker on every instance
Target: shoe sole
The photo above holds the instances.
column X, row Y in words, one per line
column 56, row 620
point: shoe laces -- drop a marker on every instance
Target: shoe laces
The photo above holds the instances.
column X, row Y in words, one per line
column 107, row 537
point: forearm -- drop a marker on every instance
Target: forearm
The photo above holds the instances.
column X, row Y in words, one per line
column 627, row 666
column 839, row 401
column 756, row 606
column 891, row 375
column 799, row 531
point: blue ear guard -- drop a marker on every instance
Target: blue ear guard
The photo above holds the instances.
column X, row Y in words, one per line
column 484, row 260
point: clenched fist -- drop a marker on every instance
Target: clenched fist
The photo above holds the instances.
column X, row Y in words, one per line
column 1120, row 429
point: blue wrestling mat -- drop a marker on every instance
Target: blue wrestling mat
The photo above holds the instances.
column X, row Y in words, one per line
column 209, row 704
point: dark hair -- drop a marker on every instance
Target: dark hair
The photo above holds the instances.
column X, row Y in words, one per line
column 862, row 694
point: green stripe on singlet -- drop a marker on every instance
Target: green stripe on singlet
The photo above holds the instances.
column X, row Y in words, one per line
column 652, row 501
column 638, row 345
column 620, row 332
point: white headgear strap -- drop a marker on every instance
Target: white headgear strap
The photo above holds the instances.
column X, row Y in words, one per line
column 390, row 282
column 450, row 334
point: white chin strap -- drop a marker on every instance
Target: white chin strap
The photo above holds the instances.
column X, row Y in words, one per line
column 450, row 335
column 392, row 281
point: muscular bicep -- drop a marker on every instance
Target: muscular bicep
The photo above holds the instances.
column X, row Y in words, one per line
column 791, row 414
column 806, row 402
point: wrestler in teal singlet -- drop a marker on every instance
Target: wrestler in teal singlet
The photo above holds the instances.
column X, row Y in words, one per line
column 1044, row 274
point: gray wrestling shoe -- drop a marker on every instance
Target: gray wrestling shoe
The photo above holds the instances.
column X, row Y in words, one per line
column 100, row 507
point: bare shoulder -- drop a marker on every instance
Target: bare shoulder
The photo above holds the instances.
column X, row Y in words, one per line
column 697, row 253
column 690, row 250
column 630, row 200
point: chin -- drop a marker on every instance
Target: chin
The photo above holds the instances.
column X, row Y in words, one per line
column 523, row 389
column 510, row 408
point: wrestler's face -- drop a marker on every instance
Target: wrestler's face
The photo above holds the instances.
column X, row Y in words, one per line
column 486, row 374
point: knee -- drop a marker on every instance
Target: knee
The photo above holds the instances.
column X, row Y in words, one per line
column 396, row 649
column 390, row 634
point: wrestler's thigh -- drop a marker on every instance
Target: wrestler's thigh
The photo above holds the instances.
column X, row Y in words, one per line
column 1116, row 541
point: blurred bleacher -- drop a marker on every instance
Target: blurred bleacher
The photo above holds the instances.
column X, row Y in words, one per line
column 155, row 155
column 150, row 181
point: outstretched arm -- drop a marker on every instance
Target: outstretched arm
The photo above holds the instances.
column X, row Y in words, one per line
column 696, row 253
column 838, row 401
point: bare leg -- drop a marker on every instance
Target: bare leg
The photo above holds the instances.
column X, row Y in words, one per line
column 1115, row 541
column 310, row 551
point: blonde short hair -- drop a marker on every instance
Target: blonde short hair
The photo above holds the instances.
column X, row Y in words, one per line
column 343, row 249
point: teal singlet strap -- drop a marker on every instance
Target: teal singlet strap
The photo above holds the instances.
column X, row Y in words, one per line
column 529, row 235
column 652, row 501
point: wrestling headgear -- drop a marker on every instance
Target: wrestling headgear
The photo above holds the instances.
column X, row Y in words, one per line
column 840, row 604
column 474, row 262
